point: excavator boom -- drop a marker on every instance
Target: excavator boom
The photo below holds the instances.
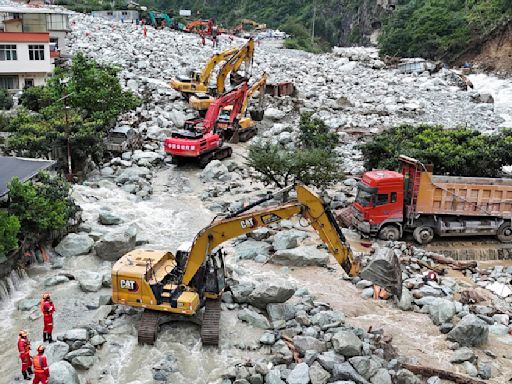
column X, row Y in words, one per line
column 245, row 54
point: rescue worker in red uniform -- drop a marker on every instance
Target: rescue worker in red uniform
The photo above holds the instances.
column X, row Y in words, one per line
column 41, row 370
column 47, row 308
column 24, row 350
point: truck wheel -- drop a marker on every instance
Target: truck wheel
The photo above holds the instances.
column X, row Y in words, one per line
column 389, row 232
column 505, row 233
column 423, row 235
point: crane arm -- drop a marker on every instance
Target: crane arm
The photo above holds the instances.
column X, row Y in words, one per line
column 206, row 73
column 308, row 204
column 257, row 86
column 245, row 54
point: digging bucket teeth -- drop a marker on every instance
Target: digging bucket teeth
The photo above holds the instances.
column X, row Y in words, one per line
column 384, row 270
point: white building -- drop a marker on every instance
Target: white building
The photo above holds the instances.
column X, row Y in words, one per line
column 25, row 59
column 27, row 19
column 127, row 15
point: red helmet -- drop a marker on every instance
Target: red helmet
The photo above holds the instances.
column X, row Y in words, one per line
column 40, row 349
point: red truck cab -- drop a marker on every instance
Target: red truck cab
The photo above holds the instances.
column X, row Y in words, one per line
column 379, row 205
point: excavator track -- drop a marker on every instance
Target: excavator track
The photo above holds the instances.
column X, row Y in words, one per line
column 148, row 327
column 211, row 322
column 218, row 154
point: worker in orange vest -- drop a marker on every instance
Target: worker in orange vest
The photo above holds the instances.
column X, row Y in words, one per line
column 48, row 309
column 41, row 370
column 24, row 350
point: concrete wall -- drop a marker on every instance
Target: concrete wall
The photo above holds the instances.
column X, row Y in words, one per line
column 23, row 64
column 129, row 15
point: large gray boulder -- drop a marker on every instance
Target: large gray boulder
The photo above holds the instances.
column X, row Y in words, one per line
column 271, row 291
column 83, row 362
column 366, row 366
column 470, row 332
column 346, row 343
column 107, row 217
column 287, row 239
column 75, row 244
column 381, row 377
column 308, row 343
column 301, row 256
column 56, row 352
column 27, row 304
column 251, row 248
column 132, row 174
column 274, row 377
column 90, row 281
column 281, row 311
column 115, row 244
column 62, row 372
column 55, row 280
column 77, row 334
column 328, row 319
column 318, row 375
column 442, row 311
column 253, row 318
column 461, row 355
column 345, row 371
column 299, row 374
column 215, row 171
column 404, row 376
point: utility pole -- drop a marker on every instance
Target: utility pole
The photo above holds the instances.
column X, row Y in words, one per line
column 313, row 26
column 63, row 82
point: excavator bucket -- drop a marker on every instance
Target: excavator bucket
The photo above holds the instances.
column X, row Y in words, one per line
column 257, row 114
column 384, row 270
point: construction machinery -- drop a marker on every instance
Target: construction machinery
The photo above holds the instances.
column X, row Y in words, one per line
column 245, row 54
column 239, row 29
column 199, row 139
column 244, row 127
column 390, row 203
column 182, row 284
column 205, row 26
column 198, row 82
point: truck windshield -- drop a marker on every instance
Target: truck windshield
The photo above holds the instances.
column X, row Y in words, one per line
column 364, row 198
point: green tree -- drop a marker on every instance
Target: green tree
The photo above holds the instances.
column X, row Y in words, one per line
column 43, row 206
column 37, row 98
column 9, row 229
column 313, row 162
column 6, row 102
column 462, row 151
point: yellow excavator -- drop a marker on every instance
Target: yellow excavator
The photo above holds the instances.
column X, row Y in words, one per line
column 201, row 101
column 244, row 127
column 198, row 82
column 183, row 284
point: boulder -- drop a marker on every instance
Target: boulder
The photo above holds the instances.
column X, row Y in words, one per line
column 56, row 352
column 308, row 343
column 177, row 117
column 215, row 171
column 287, row 239
column 164, row 368
column 318, row 375
column 404, row 376
column 347, row 343
column 345, row 371
column 461, row 355
column 442, row 311
column 274, row 377
column 132, row 174
column 55, row 280
column 301, row 256
column 251, row 248
column 405, row 303
column 471, row 370
column 75, row 244
column 329, row 359
column 299, row 374
column 281, row 311
column 115, row 244
column 253, row 318
column 97, row 341
column 27, row 304
column 242, row 290
column 63, row 373
column 274, row 114
column 268, row 338
column 90, row 281
column 366, row 366
column 281, row 354
column 107, row 217
column 77, row 334
column 83, row 362
column 470, row 332
column 271, row 291
column 381, row 377
column 328, row 319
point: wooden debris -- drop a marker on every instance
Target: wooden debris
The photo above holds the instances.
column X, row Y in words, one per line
column 444, row 375
column 292, row 347
column 455, row 264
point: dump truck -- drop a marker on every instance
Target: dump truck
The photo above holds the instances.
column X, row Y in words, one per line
column 123, row 138
column 389, row 204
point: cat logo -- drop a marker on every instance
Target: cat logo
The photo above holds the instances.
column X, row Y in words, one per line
column 248, row 223
column 130, row 285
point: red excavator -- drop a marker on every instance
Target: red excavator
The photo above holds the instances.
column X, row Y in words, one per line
column 200, row 138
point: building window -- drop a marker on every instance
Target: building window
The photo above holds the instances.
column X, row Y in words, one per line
column 124, row 13
column 110, row 13
column 29, row 83
column 8, row 52
column 36, row 52
column 9, row 82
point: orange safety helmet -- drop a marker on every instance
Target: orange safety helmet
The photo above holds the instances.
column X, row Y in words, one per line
column 46, row 296
column 40, row 348
column 23, row 333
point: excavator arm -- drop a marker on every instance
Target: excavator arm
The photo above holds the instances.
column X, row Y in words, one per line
column 257, row 86
column 245, row 54
column 308, row 204
column 206, row 73
column 234, row 97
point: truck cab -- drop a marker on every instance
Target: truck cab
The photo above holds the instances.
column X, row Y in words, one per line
column 379, row 205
